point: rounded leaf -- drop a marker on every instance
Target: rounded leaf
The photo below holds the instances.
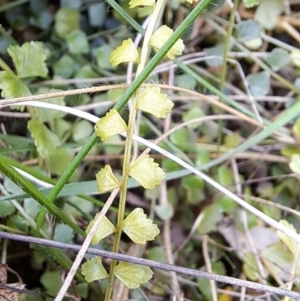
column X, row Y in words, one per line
column 105, row 228
column 139, row 228
column 159, row 38
column 110, row 125
column 93, row 270
column 154, row 102
column 124, row 54
column 295, row 163
column 135, row 3
column 106, row 180
column 146, row 172
column 132, row 275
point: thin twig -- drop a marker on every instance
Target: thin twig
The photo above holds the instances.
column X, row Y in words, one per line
column 154, row 264
column 213, row 287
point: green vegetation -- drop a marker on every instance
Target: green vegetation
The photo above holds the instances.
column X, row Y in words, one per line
column 165, row 130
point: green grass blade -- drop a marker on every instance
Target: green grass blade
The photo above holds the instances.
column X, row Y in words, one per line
column 31, row 190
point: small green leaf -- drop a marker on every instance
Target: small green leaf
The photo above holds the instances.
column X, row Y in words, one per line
column 60, row 160
column 290, row 150
column 227, row 204
column 295, row 163
column 133, row 275
column 203, row 157
column 45, row 141
column 232, row 140
column 6, row 209
column 93, row 269
column 64, row 67
column 106, row 180
column 82, row 130
column 139, row 228
column 193, row 186
column 277, row 58
column 186, row 81
column 18, row 222
column 105, row 228
column 271, row 211
column 52, row 281
column 247, row 30
column 204, row 287
column 279, row 260
column 251, row 3
column 66, row 21
column 84, row 205
column 164, row 211
column 296, row 128
column 154, row 174
column 259, row 83
column 214, row 55
column 268, row 13
column 81, row 290
column 102, row 55
column 209, row 217
column 41, row 20
column 295, row 54
column 97, row 14
column 31, row 206
column 193, row 113
column 251, row 269
column 62, row 129
column 71, row 3
column 63, row 233
column 49, row 114
column 77, row 42
column 290, row 243
column 225, row 176
column 29, row 59
column 85, row 72
column 12, row 86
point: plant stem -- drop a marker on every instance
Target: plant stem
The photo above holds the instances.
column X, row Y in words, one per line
column 224, row 65
column 29, row 188
column 128, row 145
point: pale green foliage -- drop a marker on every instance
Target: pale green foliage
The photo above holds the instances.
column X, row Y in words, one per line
column 139, row 228
column 110, row 125
column 290, row 243
column 93, row 270
column 151, row 100
column 105, row 228
column 132, row 275
column 29, row 59
column 268, row 13
column 45, row 141
column 106, row 180
column 48, row 114
column 251, row 3
column 154, row 175
column 12, row 86
column 66, row 20
column 295, row 163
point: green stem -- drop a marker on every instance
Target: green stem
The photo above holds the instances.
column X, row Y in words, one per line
column 224, row 64
column 29, row 188
column 69, row 171
column 128, row 145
